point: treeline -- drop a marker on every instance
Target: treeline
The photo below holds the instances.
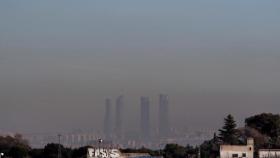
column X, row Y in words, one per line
column 264, row 128
column 17, row 147
column 14, row 146
column 170, row 151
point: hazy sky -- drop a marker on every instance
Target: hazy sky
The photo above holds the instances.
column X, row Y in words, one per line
column 59, row 60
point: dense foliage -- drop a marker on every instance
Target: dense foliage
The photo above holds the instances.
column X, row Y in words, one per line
column 14, row 146
column 228, row 134
column 267, row 124
column 210, row 148
column 175, row 150
column 51, row 151
column 264, row 128
column 142, row 150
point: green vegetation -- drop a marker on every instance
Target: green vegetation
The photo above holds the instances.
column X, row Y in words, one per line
column 228, row 134
column 170, row 151
column 267, row 124
column 210, row 148
column 175, row 150
column 14, row 146
column 264, row 128
column 142, row 150
column 51, row 151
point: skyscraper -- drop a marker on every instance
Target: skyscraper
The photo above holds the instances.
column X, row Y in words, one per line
column 145, row 117
column 119, row 116
column 163, row 116
column 108, row 119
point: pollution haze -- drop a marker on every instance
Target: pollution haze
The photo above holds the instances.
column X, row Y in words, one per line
column 60, row 60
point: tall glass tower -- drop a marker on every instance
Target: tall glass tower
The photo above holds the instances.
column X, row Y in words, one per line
column 145, row 117
column 119, row 116
column 163, row 116
column 108, row 119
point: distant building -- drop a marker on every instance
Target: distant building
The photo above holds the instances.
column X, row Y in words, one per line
column 163, row 116
column 238, row 151
column 145, row 117
column 113, row 153
column 108, row 119
column 103, row 153
column 119, row 116
column 269, row 153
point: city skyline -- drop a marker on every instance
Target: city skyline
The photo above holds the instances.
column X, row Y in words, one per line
column 161, row 79
column 161, row 130
column 59, row 60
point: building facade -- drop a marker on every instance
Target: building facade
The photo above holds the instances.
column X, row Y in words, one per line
column 113, row 153
column 238, row 151
column 269, row 153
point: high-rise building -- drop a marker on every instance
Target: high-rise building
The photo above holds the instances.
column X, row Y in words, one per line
column 108, row 119
column 119, row 117
column 145, row 117
column 163, row 116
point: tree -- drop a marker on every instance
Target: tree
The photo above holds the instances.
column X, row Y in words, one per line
column 51, row 151
column 228, row 133
column 80, row 152
column 210, row 149
column 174, row 150
column 266, row 123
column 37, row 153
column 18, row 152
column 14, row 146
column 191, row 151
column 260, row 140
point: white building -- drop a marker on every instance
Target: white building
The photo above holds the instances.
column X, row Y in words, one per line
column 103, row 153
column 238, row 151
column 269, row 153
column 112, row 153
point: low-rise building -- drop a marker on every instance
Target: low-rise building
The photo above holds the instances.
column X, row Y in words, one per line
column 269, row 153
column 238, row 151
column 113, row 153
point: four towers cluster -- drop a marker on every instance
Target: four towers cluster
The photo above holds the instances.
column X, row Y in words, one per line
column 115, row 129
